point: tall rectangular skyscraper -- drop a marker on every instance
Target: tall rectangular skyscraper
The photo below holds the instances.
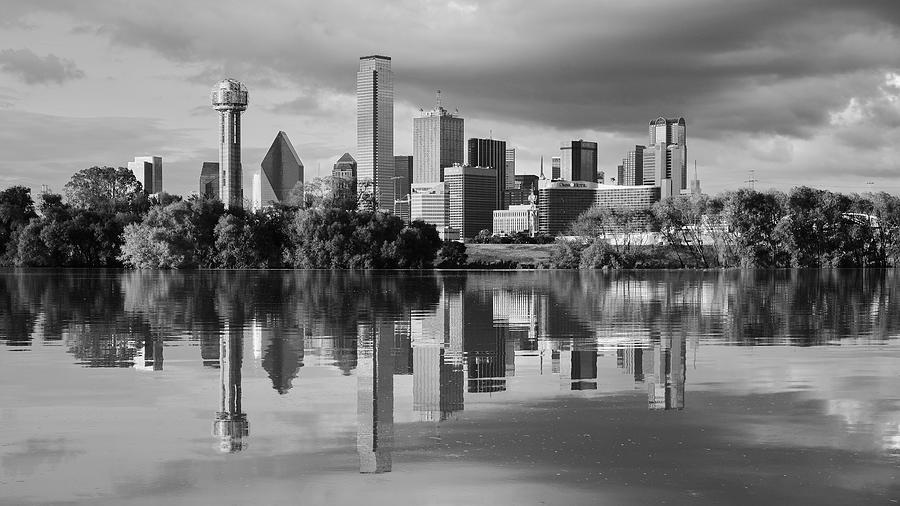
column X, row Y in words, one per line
column 375, row 128
column 555, row 167
column 668, row 148
column 511, row 168
column 438, row 142
column 402, row 175
column 490, row 153
column 579, row 161
column 633, row 167
column 472, row 198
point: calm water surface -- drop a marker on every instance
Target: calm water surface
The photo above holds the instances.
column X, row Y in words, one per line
column 450, row 388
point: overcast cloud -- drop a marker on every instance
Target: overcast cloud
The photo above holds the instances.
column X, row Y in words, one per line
column 802, row 92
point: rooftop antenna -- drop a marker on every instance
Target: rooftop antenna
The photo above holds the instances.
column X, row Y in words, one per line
column 438, row 99
column 542, row 167
column 752, row 179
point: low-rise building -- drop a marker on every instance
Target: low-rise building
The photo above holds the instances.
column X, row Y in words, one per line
column 560, row 202
column 518, row 218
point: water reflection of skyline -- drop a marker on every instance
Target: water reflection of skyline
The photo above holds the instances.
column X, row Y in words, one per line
column 457, row 335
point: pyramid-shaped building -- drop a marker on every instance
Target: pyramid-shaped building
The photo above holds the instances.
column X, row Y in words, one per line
column 279, row 172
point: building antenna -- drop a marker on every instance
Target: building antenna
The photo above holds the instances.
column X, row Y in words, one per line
column 752, row 179
column 438, row 99
column 542, row 167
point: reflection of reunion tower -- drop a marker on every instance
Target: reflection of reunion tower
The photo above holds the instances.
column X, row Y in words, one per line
column 231, row 424
column 229, row 97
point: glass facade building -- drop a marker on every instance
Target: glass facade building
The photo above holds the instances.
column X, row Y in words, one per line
column 490, row 153
column 280, row 170
column 375, row 128
column 578, row 161
column 438, row 142
column 560, row 202
column 473, row 198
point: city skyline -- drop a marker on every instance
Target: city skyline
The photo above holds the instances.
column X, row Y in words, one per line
column 794, row 94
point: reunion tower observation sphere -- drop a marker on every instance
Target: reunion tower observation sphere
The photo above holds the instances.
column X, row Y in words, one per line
column 229, row 97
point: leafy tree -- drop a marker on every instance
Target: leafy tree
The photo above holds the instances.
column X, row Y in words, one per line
column 415, row 247
column 483, row 237
column 16, row 211
column 340, row 239
column 452, row 255
column 103, row 187
column 816, row 226
column 567, row 254
column 757, row 218
column 251, row 240
column 165, row 239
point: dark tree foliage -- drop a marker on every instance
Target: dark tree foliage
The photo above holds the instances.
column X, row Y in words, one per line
column 16, row 211
column 452, row 255
column 757, row 219
column 339, row 239
column 254, row 240
column 69, row 236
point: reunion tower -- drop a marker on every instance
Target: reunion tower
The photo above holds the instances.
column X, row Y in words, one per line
column 229, row 97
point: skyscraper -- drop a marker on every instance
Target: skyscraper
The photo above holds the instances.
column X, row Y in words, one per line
column 579, row 161
column 209, row 180
column 279, row 172
column 667, row 154
column 633, row 167
column 555, row 167
column 472, row 198
column 375, row 128
column 229, row 97
column 510, row 168
column 490, row 153
column 403, row 174
column 438, row 142
column 148, row 170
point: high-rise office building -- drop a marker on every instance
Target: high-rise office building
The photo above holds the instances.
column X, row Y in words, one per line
column 633, row 167
column 280, row 170
column 209, row 180
column 578, row 161
column 491, row 154
column 430, row 202
column 375, row 129
column 148, row 170
column 229, row 98
column 510, row 168
column 345, row 167
column 472, row 198
column 555, row 167
column 403, row 166
column 667, row 155
column 438, row 142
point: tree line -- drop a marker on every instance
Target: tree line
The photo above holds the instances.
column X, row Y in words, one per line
column 104, row 219
column 804, row 227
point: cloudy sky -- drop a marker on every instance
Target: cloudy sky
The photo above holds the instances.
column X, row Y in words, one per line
column 801, row 92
